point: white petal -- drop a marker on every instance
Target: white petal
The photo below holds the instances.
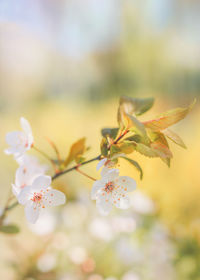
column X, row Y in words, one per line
column 13, row 138
column 25, row 125
column 32, row 212
column 27, row 129
column 16, row 190
column 41, row 182
column 96, row 187
column 104, row 204
column 126, row 182
column 54, row 198
column 123, row 203
column 109, row 174
column 23, row 176
column 11, row 151
column 24, row 195
column 101, row 163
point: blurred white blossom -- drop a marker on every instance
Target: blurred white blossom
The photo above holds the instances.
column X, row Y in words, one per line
column 101, row 229
column 19, row 141
column 130, row 276
column 45, row 225
column 77, row 254
column 46, row 262
column 142, row 203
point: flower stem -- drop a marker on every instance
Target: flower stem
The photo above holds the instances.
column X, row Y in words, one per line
column 84, row 174
column 47, row 157
column 121, row 136
column 12, row 206
column 75, row 167
column 118, row 138
column 42, row 153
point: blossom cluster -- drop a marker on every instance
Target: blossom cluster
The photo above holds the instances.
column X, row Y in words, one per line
column 32, row 187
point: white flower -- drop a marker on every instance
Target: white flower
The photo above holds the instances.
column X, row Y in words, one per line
column 26, row 173
column 112, row 189
column 38, row 196
column 20, row 141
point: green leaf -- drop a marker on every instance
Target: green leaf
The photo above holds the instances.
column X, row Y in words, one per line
column 126, row 147
column 135, row 138
column 160, row 145
column 167, row 161
column 10, row 229
column 174, row 137
column 136, row 165
column 137, row 106
column 76, row 150
column 122, row 118
column 161, row 150
column 111, row 132
column 145, row 150
column 158, row 137
column 155, row 150
column 168, row 118
column 136, row 126
column 104, row 147
column 114, row 149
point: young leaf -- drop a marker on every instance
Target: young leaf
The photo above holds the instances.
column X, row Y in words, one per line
column 114, row 149
column 135, row 138
column 122, row 119
column 161, row 150
column 157, row 136
column 126, row 147
column 111, row 132
column 145, row 150
column 167, row 161
column 168, row 118
column 104, row 147
column 136, row 126
column 136, row 106
column 136, row 165
column 77, row 149
column 174, row 137
column 154, row 150
column 10, row 229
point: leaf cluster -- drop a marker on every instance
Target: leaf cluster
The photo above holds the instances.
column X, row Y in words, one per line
column 149, row 138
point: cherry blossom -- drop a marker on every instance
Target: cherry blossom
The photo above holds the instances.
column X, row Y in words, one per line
column 19, row 141
column 29, row 169
column 39, row 195
column 112, row 190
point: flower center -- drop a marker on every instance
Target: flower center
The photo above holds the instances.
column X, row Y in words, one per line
column 109, row 187
column 37, row 197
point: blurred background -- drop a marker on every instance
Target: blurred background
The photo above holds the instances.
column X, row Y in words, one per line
column 63, row 66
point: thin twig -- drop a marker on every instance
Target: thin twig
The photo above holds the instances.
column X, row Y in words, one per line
column 75, row 167
column 47, row 157
column 55, row 149
column 84, row 174
column 12, row 206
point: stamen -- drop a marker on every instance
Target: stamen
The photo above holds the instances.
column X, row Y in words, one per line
column 109, row 187
column 37, row 197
